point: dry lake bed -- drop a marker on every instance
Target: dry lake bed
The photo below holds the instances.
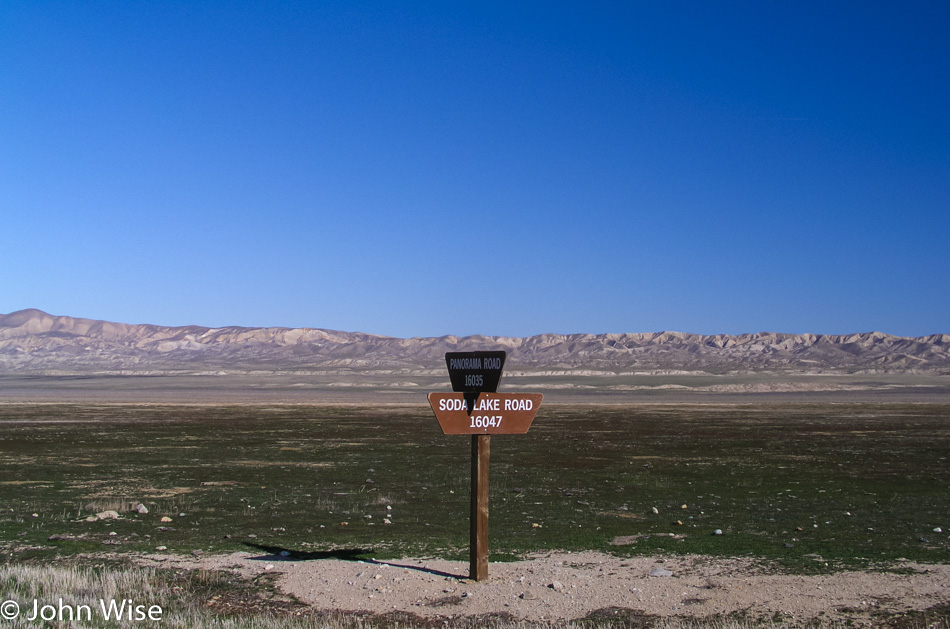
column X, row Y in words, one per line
column 269, row 478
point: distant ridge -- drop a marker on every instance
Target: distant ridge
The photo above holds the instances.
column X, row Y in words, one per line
column 33, row 341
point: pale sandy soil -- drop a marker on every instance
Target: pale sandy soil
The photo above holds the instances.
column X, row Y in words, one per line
column 411, row 389
column 566, row 586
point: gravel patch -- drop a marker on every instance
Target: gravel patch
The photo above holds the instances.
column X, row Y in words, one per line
column 567, row 586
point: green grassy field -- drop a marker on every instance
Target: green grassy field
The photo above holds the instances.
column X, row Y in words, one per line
column 808, row 487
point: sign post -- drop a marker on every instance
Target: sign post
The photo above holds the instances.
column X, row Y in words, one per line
column 475, row 408
column 478, row 525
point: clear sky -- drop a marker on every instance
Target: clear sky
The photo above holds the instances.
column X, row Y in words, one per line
column 504, row 168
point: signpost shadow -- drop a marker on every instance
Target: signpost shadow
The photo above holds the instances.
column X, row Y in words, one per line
column 279, row 553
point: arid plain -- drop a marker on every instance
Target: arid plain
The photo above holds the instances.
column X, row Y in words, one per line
column 308, row 460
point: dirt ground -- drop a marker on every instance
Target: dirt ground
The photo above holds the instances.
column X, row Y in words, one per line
column 567, row 586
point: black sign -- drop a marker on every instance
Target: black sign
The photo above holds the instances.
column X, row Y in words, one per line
column 475, row 372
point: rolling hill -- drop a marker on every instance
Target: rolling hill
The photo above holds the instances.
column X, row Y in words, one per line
column 32, row 341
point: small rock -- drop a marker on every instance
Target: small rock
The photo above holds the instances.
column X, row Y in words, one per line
column 660, row 572
column 679, row 523
column 197, row 553
column 717, row 532
column 938, row 530
column 252, row 536
column 140, row 509
column 161, row 548
column 285, row 553
column 787, row 545
column 656, row 511
column 269, row 566
column 683, row 507
column 165, row 518
column 389, row 507
column 112, row 533
column 529, row 596
column 35, row 515
column 181, row 515
column 556, row 586
column 107, row 515
column 923, row 540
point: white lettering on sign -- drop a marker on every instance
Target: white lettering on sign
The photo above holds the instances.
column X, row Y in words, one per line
column 485, row 404
column 486, row 421
column 472, row 380
column 452, row 404
column 465, row 363
column 475, row 363
column 513, row 404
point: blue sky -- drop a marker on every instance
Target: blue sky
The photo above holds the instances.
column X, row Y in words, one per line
column 429, row 168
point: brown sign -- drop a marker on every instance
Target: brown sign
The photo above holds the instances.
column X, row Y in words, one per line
column 490, row 414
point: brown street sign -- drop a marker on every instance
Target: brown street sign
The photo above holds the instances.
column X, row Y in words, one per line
column 490, row 414
column 476, row 409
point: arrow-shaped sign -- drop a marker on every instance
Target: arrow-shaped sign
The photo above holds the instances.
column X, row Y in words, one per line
column 490, row 414
column 475, row 372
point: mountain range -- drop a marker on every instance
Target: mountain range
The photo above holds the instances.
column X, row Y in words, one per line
column 32, row 341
